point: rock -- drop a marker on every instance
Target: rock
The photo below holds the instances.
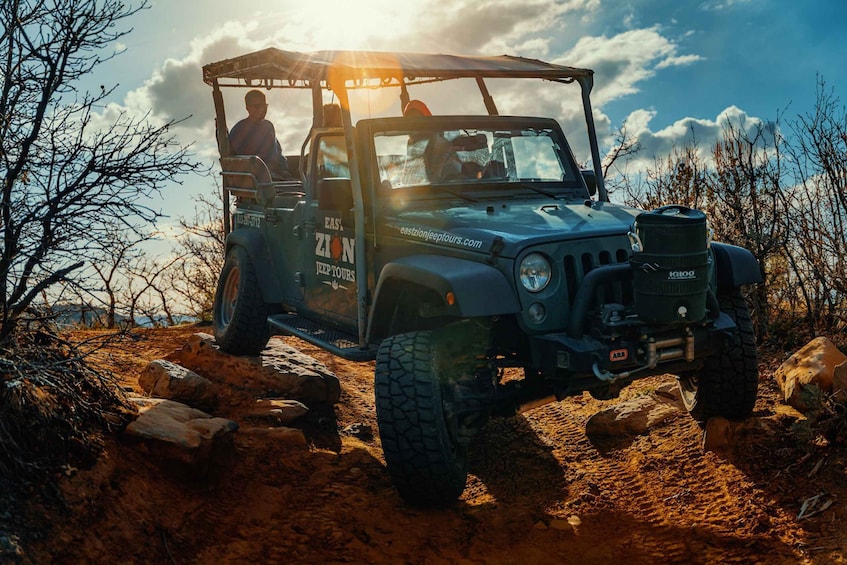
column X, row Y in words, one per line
column 629, row 418
column 669, row 394
column 280, row 370
column 813, row 364
column 718, row 434
column 182, row 439
column 280, row 411
column 164, row 379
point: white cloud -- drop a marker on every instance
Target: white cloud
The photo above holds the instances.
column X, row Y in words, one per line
column 705, row 132
column 623, row 61
column 715, row 5
column 680, row 61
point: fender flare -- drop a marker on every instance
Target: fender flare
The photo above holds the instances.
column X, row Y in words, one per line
column 257, row 248
column 735, row 265
column 480, row 289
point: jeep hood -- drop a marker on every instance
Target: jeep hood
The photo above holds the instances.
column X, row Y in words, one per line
column 517, row 225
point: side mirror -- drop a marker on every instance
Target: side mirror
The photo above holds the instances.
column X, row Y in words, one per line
column 590, row 181
column 335, row 194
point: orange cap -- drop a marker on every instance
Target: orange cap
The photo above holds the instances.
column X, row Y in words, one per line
column 416, row 106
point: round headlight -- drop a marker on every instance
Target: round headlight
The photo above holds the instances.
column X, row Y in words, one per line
column 535, row 272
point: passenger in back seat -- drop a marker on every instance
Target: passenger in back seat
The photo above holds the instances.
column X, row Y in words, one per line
column 254, row 135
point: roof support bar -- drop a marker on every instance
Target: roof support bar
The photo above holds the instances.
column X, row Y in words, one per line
column 222, row 134
column 317, row 104
column 586, row 83
column 486, row 97
column 404, row 95
column 358, row 215
column 220, row 121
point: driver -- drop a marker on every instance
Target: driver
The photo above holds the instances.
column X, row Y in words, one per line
column 440, row 160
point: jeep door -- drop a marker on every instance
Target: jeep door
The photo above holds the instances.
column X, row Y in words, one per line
column 283, row 233
column 329, row 276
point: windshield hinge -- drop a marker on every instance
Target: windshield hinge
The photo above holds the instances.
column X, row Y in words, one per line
column 496, row 248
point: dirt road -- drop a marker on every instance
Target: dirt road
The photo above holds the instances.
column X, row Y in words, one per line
column 540, row 492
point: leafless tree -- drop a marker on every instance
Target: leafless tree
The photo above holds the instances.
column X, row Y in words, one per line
column 119, row 251
column 147, row 292
column 615, row 173
column 819, row 210
column 63, row 182
column 678, row 178
column 201, row 246
column 747, row 200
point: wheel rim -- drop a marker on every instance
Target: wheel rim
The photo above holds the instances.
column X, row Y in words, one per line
column 229, row 297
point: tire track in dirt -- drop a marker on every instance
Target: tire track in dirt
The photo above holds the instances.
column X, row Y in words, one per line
column 686, row 507
column 613, row 483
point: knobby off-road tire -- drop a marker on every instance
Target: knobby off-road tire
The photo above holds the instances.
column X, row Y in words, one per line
column 727, row 384
column 240, row 315
column 426, row 463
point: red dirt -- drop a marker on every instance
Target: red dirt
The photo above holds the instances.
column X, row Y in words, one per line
column 539, row 492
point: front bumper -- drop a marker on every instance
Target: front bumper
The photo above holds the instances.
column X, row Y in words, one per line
column 581, row 363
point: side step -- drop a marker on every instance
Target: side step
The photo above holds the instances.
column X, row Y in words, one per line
column 337, row 342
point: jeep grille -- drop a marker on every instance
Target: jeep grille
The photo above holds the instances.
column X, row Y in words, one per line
column 577, row 265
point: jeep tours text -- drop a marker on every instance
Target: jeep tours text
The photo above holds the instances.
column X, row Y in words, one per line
column 454, row 249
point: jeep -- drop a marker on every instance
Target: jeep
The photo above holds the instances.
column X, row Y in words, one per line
column 471, row 257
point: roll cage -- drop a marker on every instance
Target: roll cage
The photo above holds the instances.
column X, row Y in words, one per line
column 342, row 71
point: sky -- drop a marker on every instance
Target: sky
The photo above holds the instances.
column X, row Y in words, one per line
column 664, row 68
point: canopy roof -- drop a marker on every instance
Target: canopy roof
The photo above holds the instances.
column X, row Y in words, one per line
column 275, row 67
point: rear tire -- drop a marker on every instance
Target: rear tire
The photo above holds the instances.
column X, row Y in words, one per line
column 240, row 315
column 727, row 384
column 426, row 462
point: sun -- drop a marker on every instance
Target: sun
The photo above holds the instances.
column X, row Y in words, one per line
column 355, row 24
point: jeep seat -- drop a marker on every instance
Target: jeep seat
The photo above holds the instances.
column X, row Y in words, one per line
column 247, row 176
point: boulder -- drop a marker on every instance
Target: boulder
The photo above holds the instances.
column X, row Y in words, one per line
column 279, row 370
column 813, row 364
column 180, row 438
column 630, row 418
column 164, row 379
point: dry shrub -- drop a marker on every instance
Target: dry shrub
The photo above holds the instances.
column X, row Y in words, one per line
column 54, row 407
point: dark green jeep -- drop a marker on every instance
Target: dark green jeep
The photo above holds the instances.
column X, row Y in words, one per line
column 452, row 248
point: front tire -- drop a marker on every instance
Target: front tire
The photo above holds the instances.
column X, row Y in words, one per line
column 727, row 384
column 427, row 463
column 240, row 314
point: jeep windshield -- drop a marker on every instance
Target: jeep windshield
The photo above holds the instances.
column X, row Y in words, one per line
column 434, row 155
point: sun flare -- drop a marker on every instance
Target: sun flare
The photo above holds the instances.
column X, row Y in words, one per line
column 356, row 24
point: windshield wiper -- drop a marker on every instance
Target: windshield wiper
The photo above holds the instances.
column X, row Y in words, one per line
column 461, row 195
column 539, row 190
